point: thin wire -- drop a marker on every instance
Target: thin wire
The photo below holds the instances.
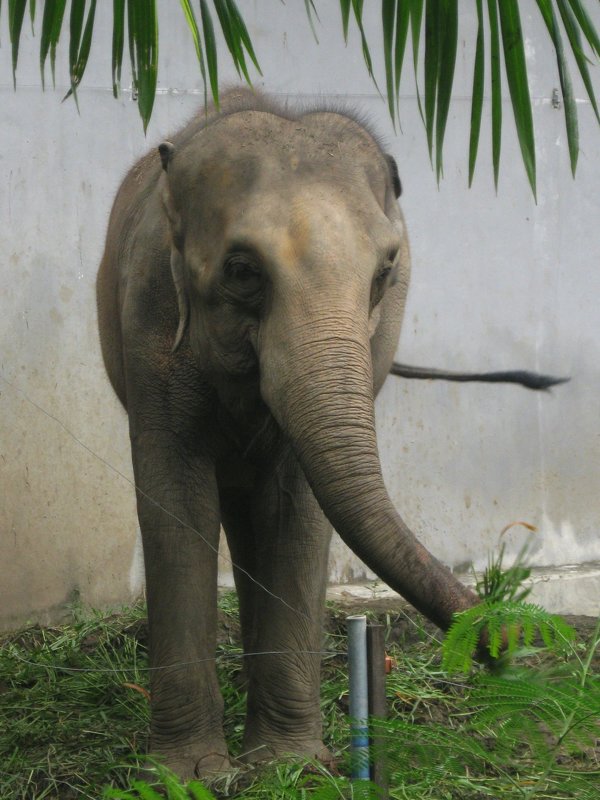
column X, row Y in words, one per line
column 222, row 657
column 151, row 499
column 178, row 664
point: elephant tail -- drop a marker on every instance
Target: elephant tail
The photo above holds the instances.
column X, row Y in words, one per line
column 530, row 380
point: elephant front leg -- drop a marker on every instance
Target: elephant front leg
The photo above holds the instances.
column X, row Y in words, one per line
column 178, row 513
column 283, row 616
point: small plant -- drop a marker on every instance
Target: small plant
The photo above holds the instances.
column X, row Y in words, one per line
column 499, row 583
column 167, row 785
column 503, row 621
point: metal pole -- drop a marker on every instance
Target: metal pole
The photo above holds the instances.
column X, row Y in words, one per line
column 376, row 671
column 359, row 696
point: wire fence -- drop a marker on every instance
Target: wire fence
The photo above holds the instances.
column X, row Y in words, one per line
column 149, row 669
column 151, row 500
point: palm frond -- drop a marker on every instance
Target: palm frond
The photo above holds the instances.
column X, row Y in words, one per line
column 573, row 33
column 477, row 92
column 434, row 26
column 190, row 18
column 16, row 13
column 118, row 42
column 566, row 86
column 210, row 45
column 51, row 27
column 80, row 42
column 310, row 8
column 357, row 9
column 142, row 22
column 433, row 35
column 447, row 61
column 236, row 37
column 516, row 75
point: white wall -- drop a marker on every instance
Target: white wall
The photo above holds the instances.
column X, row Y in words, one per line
column 498, row 282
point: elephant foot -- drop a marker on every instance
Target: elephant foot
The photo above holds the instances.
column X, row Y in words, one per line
column 255, row 752
column 190, row 763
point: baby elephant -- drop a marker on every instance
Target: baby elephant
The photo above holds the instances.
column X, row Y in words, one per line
column 250, row 299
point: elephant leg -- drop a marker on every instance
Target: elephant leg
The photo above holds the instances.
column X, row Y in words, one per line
column 283, row 620
column 236, row 512
column 179, row 519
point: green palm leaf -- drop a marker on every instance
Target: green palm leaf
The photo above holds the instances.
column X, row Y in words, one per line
column 438, row 18
column 388, row 14
column 447, row 61
column 357, row 8
column 51, row 27
column 210, row 45
column 236, row 36
column 551, row 21
column 477, row 93
column 118, row 41
column 311, row 9
column 345, row 9
column 16, row 12
column 496, row 88
column 143, row 51
column 402, row 23
column 586, row 26
column 416, row 16
column 432, row 58
column 79, row 43
column 570, row 23
column 516, row 75
column 190, row 18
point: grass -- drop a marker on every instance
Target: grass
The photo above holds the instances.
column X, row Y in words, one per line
column 530, row 731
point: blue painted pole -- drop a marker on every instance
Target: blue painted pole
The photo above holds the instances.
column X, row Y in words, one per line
column 359, row 696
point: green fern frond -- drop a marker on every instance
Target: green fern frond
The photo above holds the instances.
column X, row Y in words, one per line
column 505, row 625
column 544, row 711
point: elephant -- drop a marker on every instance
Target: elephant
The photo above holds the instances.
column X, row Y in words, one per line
column 250, row 299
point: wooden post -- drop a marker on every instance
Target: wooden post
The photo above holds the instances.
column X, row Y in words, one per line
column 377, row 705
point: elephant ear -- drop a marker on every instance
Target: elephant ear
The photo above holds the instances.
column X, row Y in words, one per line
column 182, row 297
column 166, row 151
column 393, row 168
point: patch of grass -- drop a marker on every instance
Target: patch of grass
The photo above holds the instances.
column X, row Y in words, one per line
column 73, row 714
column 66, row 714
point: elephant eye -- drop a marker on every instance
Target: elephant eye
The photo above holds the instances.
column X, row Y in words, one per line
column 243, row 277
column 380, row 283
column 383, row 272
column 240, row 269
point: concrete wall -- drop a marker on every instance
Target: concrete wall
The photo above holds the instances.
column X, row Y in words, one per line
column 498, row 282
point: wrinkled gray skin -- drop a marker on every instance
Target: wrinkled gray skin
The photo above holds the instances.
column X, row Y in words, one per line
column 250, row 299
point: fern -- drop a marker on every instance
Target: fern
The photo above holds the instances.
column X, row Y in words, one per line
column 557, row 701
column 503, row 626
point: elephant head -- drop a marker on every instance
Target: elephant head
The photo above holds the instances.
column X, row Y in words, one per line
column 291, row 264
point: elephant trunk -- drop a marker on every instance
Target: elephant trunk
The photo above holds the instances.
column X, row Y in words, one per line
column 326, row 407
